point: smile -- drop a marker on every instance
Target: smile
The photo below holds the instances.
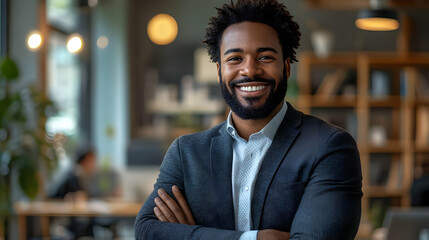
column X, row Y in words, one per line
column 252, row 88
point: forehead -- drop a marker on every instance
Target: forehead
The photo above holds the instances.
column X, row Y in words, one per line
column 249, row 36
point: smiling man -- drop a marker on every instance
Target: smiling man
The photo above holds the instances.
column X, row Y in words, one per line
column 268, row 171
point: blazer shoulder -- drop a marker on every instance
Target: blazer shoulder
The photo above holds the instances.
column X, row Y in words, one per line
column 322, row 127
column 203, row 136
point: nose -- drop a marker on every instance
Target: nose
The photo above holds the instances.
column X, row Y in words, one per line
column 251, row 68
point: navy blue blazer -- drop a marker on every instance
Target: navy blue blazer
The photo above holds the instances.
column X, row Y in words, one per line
column 309, row 184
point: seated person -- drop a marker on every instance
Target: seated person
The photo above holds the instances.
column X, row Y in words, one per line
column 84, row 182
column 76, row 185
column 420, row 187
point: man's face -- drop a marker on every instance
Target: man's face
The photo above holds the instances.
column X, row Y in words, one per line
column 252, row 73
column 89, row 163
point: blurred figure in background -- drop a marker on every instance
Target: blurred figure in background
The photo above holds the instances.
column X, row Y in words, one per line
column 76, row 185
column 86, row 182
column 74, row 188
column 420, row 187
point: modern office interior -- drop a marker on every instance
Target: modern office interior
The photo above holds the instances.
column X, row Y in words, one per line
column 124, row 78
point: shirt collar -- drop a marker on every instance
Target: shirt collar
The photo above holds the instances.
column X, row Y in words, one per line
column 269, row 130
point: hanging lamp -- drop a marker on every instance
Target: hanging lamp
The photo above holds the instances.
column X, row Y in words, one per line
column 378, row 17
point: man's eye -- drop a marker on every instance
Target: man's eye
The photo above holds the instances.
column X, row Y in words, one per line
column 233, row 59
column 266, row 58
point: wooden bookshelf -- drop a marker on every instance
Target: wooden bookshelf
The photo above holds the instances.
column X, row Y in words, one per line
column 394, row 113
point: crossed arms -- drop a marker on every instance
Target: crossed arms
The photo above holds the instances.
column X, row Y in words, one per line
column 168, row 210
column 327, row 208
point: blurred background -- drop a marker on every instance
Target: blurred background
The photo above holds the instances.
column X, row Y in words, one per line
column 121, row 79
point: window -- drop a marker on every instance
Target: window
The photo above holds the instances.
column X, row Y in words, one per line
column 63, row 84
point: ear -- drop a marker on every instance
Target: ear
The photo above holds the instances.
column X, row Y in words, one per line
column 218, row 73
column 287, row 67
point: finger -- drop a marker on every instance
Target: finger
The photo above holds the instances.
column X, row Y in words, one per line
column 159, row 215
column 287, row 235
column 165, row 210
column 184, row 205
column 173, row 206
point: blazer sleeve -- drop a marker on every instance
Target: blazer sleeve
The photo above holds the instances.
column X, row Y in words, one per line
column 147, row 225
column 331, row 204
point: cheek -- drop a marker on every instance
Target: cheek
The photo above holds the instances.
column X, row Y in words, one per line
column 226, row 76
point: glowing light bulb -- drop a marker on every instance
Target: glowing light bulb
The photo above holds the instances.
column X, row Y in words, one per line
column 102, row 42
column 92, row 3
column 34, row 40
column 162, row 29
column 377, row 24
column 74, row 43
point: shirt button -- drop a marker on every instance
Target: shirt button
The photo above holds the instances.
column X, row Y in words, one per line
column 246, row 188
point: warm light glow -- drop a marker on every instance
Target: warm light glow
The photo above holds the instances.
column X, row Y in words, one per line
column 162, row 29
column 92, row 3
column 102, row 42
column 377, row 24
column 75, row 43
column 34, row 40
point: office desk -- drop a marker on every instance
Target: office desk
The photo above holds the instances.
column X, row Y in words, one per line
column 46, row 209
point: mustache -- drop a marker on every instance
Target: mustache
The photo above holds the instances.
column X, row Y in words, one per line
column 233, row 83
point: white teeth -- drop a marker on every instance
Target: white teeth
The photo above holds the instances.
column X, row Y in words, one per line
column 252, row 88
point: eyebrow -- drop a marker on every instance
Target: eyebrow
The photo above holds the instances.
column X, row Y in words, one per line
column 233, row 50
column 266, row 49
column 259, row 50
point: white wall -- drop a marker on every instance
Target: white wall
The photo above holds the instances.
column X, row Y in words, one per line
column 23, row 18
column 110, row 78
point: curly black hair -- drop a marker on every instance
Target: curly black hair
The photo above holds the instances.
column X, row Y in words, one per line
column 269, row 12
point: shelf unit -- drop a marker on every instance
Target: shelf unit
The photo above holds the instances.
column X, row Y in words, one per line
column 378, row 102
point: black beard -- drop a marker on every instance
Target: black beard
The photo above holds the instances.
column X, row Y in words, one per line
column 251, row 112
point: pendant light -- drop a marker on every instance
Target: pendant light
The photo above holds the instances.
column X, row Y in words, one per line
column 378, row 17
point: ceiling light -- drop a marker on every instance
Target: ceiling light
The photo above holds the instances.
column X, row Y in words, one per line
column 162, row 29
column 34, row 40
column 377, row 18
column 92, row 3
column 102, row 42
column 75, row 43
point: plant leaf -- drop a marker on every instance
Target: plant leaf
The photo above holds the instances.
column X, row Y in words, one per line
column 28, row 181
column 9, row 69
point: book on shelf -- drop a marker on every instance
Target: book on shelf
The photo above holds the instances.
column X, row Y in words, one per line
column 422, row 85
column 394, row 179
column 404, row 76
column 331, row 83
column 380, row 84
column 386, row 170
column 379, row 169
column 422, row 126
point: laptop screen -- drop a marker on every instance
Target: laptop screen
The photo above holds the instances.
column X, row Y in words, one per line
column 407, row 223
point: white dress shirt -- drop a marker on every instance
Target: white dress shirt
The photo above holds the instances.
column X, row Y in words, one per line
column 247, row 159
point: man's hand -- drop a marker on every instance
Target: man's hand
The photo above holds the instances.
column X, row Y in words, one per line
column 271, row 234
column 167, row 210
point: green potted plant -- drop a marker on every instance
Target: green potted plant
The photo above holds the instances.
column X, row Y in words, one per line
column 25, row 147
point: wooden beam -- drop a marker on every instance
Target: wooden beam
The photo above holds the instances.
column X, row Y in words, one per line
column 409, row 3
column 361, row 4
column 337, row 4
column 404, row 35
column 43, row 52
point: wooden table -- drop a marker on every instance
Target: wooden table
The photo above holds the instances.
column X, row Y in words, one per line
column 46, row 209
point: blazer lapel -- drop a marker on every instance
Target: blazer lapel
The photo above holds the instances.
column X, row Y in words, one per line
column 221, row 171
column 275, row 155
